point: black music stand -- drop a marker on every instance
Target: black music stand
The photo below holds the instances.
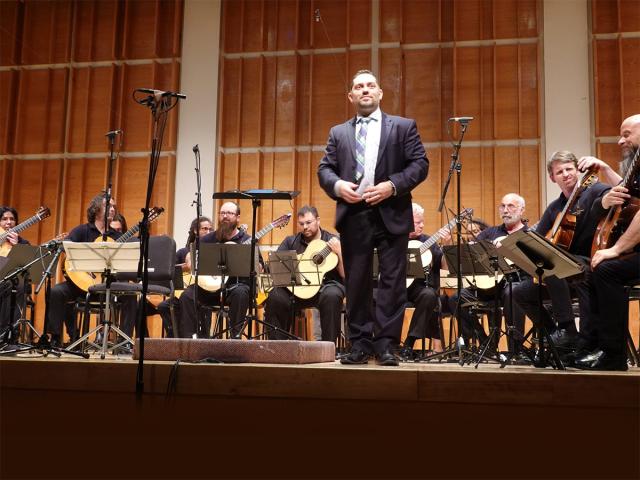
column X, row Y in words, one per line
column 480, row 259
column 256, row 196
column 111, row 258
column 29, row 262
column 541, row 259
column 284, row 271
column 221, row 261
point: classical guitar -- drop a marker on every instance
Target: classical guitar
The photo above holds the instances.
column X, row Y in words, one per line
column 564, row 227
column 425, row 252
column 5, row 245
column 314, row 263
column 619, row 217
column 84, row 280
column 213, row 283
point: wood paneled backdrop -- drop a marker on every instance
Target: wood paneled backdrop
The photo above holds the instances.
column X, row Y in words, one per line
column 67, row 73
column 67, row 70
column 286, row 67
column 615, row 43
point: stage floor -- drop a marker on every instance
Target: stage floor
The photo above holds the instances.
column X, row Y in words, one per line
column 418, row 420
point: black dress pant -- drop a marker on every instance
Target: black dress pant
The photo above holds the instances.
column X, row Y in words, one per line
column 61, row 302
column 424, row 322
column 373, row 329
column 610, row 301
column 6, row 319
column 469, row 322
column 328, row 301
column 237, row 298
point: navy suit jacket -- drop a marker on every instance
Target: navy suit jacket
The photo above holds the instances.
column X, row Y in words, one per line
column 401, row 159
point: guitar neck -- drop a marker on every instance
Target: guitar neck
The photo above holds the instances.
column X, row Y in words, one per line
column 436, row 236
column 19, row 228
column 129, row 233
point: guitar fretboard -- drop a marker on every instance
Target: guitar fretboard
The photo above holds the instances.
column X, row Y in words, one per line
column 19, row 228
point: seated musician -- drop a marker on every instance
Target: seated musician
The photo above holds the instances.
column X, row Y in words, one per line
column 563, row 171
column 617, row 265
column 423, row 293
column 63, row 294
column 511, row 210
column 164, row 307
column 237, row 291
column 119, row 223
column 328, row 300
column 8, row 220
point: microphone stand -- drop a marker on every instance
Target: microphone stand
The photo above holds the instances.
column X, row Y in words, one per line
column 456, row 166
column 159, row 103
column 196, row 243
column 107, row 191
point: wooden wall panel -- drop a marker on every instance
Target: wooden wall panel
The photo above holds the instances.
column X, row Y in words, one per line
column 97, row 29
column 47, row 32
column 290, row 101
column 607, row 87
column 616, row 71
column 41, row 110
column 10, row 30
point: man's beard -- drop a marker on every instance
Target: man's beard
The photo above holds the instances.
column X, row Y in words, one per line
column 627, row 159
column 225, row 231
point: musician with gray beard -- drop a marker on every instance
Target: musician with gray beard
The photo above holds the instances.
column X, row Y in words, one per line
column 511, row 210
column 237, row 288
column 328, row 300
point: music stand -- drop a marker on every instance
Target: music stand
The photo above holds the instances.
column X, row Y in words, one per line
column 256, row 196
column 221, row 261
column 284, row 271
column 110, row 258
column 541, row 259
column 28, row 261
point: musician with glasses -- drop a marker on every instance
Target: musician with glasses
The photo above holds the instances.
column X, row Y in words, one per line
column 511, row 210
column 8, row 220
column 237, row 292
column 616, row 261
column 563, row 171
column 204, row 226
column 329, row 298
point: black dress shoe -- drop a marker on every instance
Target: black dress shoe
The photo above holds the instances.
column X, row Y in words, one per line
column 600, row 360
column 387, row 359
column 355, row 357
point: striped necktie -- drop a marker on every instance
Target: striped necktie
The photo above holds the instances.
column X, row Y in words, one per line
column 361, row 145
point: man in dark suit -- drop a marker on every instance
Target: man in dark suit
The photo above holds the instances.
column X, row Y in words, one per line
column 371, row 164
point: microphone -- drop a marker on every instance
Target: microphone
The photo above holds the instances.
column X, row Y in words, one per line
column 51, row 244
column 461, row 119
column 161, row 94
column 113, row 133
column 196, row 148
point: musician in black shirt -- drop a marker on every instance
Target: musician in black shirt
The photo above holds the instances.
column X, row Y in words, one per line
column 164, row 307
column 330, row 294
column 511, row 210
column 63, row 294
column 563, row 170
column 423, row 294
column 8, row 220
column 618, row 266
column 236, row 290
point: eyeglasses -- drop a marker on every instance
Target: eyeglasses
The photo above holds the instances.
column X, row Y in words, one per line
column 228, row 214
column 206, row 229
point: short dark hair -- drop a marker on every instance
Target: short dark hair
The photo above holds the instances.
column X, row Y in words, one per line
column 362, row 72
column 308, row 209
column 5, row 209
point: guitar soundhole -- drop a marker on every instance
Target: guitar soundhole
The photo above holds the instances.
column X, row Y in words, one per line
column 317, row 259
